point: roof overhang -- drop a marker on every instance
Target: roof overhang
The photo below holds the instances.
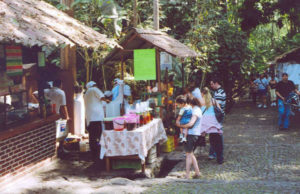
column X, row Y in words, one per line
column 145, row 39
column 37, row 23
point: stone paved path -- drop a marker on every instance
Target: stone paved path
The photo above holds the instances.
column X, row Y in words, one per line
column 258, row 159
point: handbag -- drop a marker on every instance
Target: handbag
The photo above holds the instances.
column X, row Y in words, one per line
column 218, row 112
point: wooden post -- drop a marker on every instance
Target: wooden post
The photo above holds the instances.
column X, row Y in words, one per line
column 68, row 76
column 156, row 14
column 107, row 163
column 134, row 13
column 158, row 69
column 182, row 73
column 122, row 68
column 158, row 76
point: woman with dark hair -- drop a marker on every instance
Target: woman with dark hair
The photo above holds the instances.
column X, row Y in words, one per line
column 194, row 128
column 195, row 91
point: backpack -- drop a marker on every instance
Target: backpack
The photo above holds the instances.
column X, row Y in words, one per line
column 218, row 112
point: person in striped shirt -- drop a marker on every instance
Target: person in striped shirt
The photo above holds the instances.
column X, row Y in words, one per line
column 219, row 93
column 220, row 96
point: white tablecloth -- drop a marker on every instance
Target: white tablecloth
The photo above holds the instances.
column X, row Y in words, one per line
column 136, row 142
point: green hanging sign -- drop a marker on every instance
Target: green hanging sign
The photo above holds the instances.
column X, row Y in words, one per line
column 144, row 64
column 41, row 59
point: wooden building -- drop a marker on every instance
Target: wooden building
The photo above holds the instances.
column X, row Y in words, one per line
column 31, row 29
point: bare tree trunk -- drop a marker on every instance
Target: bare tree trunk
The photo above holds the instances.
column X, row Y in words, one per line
column 135, row 13
column 156, row 14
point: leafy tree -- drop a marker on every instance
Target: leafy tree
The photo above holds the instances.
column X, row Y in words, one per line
column 223, row 47
column 256, row 12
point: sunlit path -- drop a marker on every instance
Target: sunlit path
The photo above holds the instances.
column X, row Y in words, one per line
column 258, row 157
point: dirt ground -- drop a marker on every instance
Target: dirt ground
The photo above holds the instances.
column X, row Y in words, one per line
column 258, row 159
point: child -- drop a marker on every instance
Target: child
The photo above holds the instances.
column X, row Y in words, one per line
column 185, row 115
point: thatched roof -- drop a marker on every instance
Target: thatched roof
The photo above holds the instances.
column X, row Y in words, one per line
column 37, row 23
column 143, row 39
column 290, row 56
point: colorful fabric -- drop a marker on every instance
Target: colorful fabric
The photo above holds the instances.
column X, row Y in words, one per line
column 209, row 121
column 14, row 65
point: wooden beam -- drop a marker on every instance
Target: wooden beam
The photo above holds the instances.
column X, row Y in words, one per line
column 158, row 69
column 135, row 13
column 182, row 73
column 68, row 76
column 158, row 76
column 156, row 14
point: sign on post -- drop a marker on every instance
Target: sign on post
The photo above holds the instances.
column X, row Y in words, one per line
column 165, row 61
column 144, row 64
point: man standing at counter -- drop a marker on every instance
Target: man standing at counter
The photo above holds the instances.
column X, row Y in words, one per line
column 94, row 116
column 58, row 97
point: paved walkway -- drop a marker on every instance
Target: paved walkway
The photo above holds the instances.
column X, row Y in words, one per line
column 258, row 159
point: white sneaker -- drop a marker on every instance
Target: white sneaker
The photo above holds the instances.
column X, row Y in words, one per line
column 259, row 105
column 180, row 136
column 183, row 139
column 265, row 106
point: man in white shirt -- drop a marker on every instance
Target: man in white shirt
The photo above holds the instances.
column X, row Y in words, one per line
column 94, row 116
column 58, row 97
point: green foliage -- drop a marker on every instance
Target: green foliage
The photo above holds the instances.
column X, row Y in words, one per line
column 233, row 38
column 223, row 47
column 256, row 12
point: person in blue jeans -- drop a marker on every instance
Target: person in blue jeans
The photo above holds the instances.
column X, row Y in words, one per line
column 283, row 90
column 262, row 85
column 219, row 95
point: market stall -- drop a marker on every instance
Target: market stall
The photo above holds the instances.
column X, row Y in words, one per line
column 165, row 47
column 150, row 52
column 30, row 31
column 132, row 143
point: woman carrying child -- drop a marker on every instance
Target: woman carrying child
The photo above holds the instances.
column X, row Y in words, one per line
column 194, row 129
column 185, row 115
column 210, row 125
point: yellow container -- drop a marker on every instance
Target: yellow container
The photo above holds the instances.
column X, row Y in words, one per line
column 168, row 146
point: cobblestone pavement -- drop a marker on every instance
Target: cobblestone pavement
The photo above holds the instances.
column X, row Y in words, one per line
column 258, row 159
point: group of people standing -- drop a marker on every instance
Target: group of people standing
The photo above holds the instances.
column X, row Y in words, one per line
column 279, row 92
column 263, row 87
column 96, row 102
column 197, row 117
